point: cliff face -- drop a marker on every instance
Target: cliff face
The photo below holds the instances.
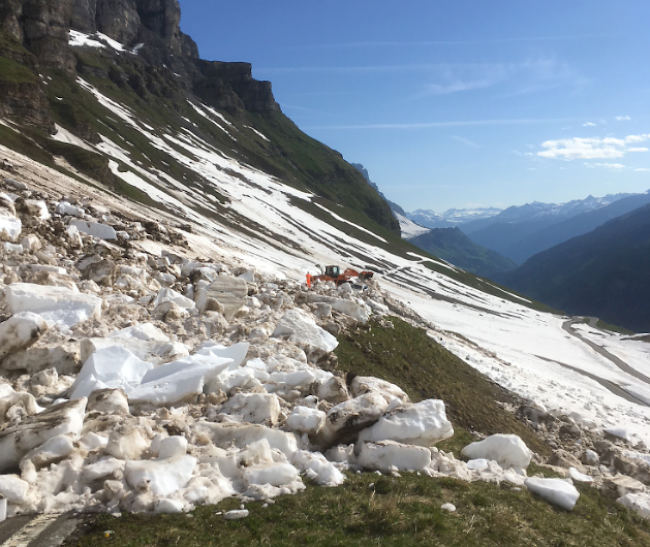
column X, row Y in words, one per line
column 39, row 31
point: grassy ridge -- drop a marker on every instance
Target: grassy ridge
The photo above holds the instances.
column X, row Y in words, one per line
column 401, row 512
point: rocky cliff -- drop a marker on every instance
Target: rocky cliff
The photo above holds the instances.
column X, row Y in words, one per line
column 35, row 34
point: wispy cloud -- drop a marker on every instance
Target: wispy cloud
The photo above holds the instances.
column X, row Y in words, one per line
column 465, row 141
column 594, row 148
column 612, row 166
column 434, row 125
column 622, row 118
column 429, row 43
column 642, row 169
column 589, row 124
column 528, row 76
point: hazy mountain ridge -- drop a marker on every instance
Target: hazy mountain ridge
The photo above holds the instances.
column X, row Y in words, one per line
column 451, row 217
column 520, row 232
column 605, row 273
column 452, row 245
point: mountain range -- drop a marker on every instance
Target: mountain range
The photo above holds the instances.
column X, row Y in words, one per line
column 604, row 273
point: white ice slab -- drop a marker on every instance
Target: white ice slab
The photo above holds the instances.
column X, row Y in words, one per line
column 299, row 328
column 508, row 450
column 555, row 491
column 54, row 304
column 422, row 424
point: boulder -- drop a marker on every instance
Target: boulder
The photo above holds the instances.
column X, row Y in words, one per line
column 19, row 332
column 229, row 292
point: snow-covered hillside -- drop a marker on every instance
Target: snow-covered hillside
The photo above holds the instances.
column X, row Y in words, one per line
column 222, row 258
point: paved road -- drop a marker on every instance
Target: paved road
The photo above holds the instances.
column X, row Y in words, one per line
column 37, row 530
column 612, row 387
column 568, row 327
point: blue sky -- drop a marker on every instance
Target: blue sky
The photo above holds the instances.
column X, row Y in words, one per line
column 455, row 103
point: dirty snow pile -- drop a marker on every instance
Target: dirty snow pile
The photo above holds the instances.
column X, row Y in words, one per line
column 154, row 382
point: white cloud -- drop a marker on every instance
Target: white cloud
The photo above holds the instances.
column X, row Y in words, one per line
column 622, row 118
column 589, row 124
column 592, row 148
column 614, row 166
column 642, row 170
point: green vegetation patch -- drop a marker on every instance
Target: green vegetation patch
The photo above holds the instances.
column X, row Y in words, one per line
column 372, row 510
column 15, row 73
column 600, row 324
column 408, row 357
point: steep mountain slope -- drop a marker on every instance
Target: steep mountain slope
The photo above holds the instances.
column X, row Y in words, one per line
column 170, row 87
column 605, row 273
column 452, row 245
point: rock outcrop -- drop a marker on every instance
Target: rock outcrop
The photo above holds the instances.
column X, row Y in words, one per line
column 35, row 35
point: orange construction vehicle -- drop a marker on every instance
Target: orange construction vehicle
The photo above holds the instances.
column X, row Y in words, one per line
column 334, row 274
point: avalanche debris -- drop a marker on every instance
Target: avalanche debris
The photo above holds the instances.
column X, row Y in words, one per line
column 135, row 378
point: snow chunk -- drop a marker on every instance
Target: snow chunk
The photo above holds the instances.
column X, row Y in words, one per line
column 254, row 408
column 577, row 476
column 13, row 489
column 54, row 304
column 19, row 332
column 95, row 229
column 10, row 226
column 164, row 477
column 111, row 367
column 306, row 420
column 179, row 380
column 555, row 491
column 507, row 450
column 236, row 514
column 277, row 474
column 103, row 468
column 244, row 434
column 639, row 503
column 170, row 295
column 388, row 456
column 63, row 419
column 65, row 208
column 357, row 310
column 145, row 341
column 52, row 450
column 317, row 468
column 422, row 424
column 301, row 329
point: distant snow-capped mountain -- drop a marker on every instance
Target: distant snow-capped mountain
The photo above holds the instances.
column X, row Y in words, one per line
column 451, row 217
